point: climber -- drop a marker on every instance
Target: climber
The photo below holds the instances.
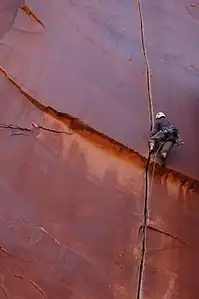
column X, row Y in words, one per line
column 163, row 136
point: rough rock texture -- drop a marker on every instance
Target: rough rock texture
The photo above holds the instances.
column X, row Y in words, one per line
column 8, row 12
column 87, row 61
column 72, row 204
column 70, row 212
column 172, row 256
column 172, row 42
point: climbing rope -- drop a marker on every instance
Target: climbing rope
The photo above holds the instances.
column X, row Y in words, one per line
column 151, row 121
column 148, row 191
column 144, row 231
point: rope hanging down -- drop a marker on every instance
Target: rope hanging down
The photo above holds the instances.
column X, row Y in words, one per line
column 147, row 189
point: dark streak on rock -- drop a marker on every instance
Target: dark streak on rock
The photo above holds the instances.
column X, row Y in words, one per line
column 35, row 126
column 148, row 71
column 164, row 233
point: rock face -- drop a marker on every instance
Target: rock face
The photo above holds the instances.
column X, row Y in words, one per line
column 73, row 202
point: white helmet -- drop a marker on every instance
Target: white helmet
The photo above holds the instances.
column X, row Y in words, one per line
column 159, row 115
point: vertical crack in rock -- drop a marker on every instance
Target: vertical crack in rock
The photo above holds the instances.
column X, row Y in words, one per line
column 151, row 123
column 144, row 233
column 148, row 71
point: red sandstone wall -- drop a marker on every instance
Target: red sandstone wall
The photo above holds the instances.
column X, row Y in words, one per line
column 71, row 208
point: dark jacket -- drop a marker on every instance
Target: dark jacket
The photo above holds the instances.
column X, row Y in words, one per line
column 162, row 123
